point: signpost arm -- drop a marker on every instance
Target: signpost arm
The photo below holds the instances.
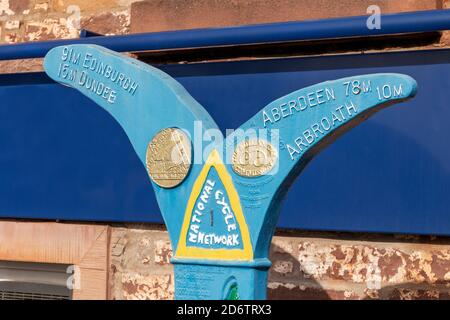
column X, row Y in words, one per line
column 302, row 124
column 142, row 99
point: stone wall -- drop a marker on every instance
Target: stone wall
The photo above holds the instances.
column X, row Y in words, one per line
column 30, row 20
column 306, row 265
column 309, row 265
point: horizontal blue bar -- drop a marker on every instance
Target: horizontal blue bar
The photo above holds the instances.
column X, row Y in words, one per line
column 420, row 21
column 63, row 157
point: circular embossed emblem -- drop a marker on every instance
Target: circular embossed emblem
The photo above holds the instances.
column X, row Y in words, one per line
column 169, row 157
column 253, row 158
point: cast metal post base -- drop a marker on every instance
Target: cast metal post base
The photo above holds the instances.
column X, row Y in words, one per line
column 219, row 280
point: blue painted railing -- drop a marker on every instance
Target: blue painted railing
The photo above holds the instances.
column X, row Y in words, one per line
column 420, row 21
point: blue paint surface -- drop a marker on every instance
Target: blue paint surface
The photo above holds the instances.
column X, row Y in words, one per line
column 388, row 174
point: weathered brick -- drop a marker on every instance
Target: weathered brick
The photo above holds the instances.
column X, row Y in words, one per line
column 372, row 264
column 283, row 267
column 110, row 23
column 91, row 6
column 19, row 6
column 145, row 241
column 321, row 267
column 12, row 24
column 289, row 291
column 18, row 66
column 163, row 252
column 48, row 29
column 154, row 15
column 134, row 273
column 118, row 241
column 41, row 7
column 150, row 287
column 13, row 37
column 311, row 291
column 418, row 294
column 282, row 245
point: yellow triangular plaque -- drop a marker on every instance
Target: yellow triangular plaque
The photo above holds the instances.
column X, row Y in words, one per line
column 245, row 251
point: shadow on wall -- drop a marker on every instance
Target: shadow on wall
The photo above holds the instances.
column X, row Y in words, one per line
column 414, row 268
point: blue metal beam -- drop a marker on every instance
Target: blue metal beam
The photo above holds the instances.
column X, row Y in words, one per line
column 389, row 174
column 420, row 21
